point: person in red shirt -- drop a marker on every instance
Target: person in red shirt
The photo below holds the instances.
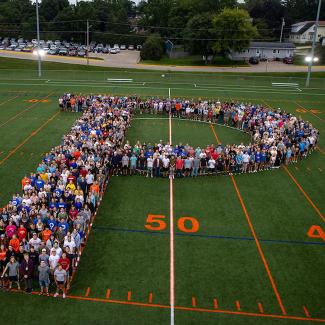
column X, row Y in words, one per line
column 64, row 261
column 179, row 166
column 73, row 214
column 21, row 232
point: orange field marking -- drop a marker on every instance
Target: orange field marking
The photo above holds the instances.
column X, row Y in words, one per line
column 8, row 100
column 215, row 303
column 108, row 293
column 22, row 112
column 266, row 266
column 193, row 302
column 14, row 150
column 238, row 304
column 260, row 307
column 203, row 310
column 306, row 311
column 215, row 134
column 310, row 111
column 150, row 298
column 129, row 295
column 304, row 193
column 87, row 292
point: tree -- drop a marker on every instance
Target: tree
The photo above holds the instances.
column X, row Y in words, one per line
column 152, row 48
column 198, row 35
column 233, row 31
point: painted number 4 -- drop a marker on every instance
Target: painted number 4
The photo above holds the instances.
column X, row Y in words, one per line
column 316, row 232
column 156, row 222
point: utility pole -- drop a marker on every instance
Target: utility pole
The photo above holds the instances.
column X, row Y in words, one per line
column 87, row 42
column 283, row 24
column 38, row 42
column 310, row 64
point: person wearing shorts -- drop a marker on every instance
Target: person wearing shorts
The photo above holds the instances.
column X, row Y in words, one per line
column 60, row 278
column 44, row 277
column 13, row 272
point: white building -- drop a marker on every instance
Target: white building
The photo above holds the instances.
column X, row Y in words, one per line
column 303, row 32
column 265, row 50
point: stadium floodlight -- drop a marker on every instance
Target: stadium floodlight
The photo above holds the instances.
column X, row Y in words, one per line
column 38, row 52
column 309, row 59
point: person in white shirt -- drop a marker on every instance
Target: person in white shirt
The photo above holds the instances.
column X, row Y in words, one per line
column 53, row 260
column 35, row 241
column 150, row 166
column 211, row 165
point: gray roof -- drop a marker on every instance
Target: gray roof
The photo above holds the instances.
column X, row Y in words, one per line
column 272, row 45
column 304, row 28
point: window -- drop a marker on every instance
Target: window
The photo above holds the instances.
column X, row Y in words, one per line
column 274, row 51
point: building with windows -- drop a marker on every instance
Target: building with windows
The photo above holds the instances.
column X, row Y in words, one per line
column 265, row 50
column 303, row 32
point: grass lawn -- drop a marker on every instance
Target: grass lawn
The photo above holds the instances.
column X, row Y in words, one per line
column 220, row 275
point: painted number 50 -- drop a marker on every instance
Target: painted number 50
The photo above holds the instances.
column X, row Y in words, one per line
column 156, row 222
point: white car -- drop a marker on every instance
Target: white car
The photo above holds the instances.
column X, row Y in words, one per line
column 123, row 47
column 113, row 51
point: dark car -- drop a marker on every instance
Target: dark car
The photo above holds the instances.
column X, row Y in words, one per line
column 288, row 60
column 254, row 60
column 63, row 51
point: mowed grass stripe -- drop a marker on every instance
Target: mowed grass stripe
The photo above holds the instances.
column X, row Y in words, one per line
column 9, row 100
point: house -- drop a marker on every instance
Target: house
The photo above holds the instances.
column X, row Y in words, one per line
column 303, row 32
column 265, row 50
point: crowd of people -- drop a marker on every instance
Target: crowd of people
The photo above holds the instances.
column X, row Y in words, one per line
column 277, row 137
column 43, row 230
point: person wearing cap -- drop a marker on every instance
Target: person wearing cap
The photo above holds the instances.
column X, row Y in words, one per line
column 44, row 277
column 44, row 257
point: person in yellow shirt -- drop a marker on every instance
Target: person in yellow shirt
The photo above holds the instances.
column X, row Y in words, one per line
column 44, row 176
column 71, row 186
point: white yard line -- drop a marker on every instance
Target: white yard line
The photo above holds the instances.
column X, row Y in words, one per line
column 171, row 233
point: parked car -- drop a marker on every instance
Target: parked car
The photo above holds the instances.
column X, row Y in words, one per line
column 73, row 52
column 123, row 47
column 53, row 52
column 254, row 60
column 113, row 51
column 105, row 50
column 82, row 53
column 63, row 51
column 288, row 60
column 12, row 47
column 139, row 47
column 117, row 48
column 27, row 49
column 131, row 47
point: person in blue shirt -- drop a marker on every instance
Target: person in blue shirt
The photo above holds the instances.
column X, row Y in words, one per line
column 52, row 223
column 58, row 192
column 63, row 225
column 39, row 183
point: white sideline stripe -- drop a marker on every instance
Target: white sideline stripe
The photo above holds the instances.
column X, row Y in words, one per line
column 171, row 235
column 119, row 79
column 168, row 92
column 220, row 89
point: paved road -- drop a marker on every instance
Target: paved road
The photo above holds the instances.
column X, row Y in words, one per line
column 130, row 59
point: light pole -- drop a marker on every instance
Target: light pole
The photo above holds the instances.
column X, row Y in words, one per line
column 311, row 61
column 283, row 24
column 88, row 41
column 38, row 42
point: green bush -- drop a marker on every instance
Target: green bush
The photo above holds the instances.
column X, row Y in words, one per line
column 152, row 48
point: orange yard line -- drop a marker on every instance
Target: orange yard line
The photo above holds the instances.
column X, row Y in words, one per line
column 306, row 311
column 108, row 293
column 129, row 295
column 231, row 312
column 309, row 111
column 193, row 302
column 304, row 193
column 260, row 307
column 266, row 266
column 87, row 292
column 215, row 134
column 14, row 150
column 150, row 298
column 238, row 305
column 9, row 100
column 22, row 112
column 215, row 303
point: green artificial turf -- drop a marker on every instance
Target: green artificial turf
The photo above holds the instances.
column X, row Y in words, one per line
column 221, row 260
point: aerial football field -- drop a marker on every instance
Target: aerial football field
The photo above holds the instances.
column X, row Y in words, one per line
column 244, row 249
